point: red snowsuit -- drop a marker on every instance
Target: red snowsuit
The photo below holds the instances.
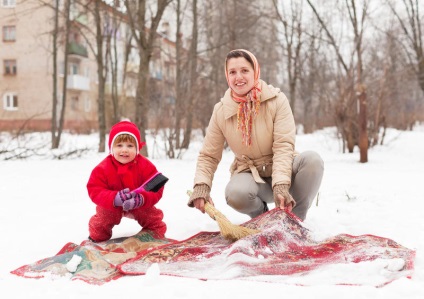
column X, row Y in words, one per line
column 109, row 177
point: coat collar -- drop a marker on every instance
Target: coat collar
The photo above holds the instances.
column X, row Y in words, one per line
column 230, row 107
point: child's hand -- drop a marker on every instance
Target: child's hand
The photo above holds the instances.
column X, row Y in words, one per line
column 121, row 197
column 135, row 202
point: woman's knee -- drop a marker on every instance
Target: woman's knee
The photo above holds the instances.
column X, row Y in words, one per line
column 312, row 162
column 240, row 192
column 239, row 198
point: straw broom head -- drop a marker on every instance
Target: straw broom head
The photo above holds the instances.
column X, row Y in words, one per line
column 228, row 230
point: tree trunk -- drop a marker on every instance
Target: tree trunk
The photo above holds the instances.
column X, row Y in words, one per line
column 363, row 133
column 101, row 78
column 65, row 76
column 55, row 75
column 114, row 71
column 193, row 79
column 145, row 39
column 179, row 87
column 361, row 89
column 412, row 29
column 142, row 103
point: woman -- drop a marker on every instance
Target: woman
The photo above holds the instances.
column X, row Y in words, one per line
column 256, row 121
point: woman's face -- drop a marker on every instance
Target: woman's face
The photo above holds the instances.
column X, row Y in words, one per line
column 241, row 77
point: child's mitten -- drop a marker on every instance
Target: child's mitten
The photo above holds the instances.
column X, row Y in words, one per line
column 121, row 197
column 135, row 202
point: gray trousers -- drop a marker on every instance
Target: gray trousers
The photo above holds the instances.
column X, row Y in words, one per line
column 249, row 197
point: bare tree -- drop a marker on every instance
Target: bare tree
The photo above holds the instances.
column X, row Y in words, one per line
column 412, row 29
column 225, row 26
column 313, row 84
column 179, row 77
column 112, row 57
column 100, row 38
column 55, row 73
column 144, row 34
column 56, row 135
column 354, row 131
column 400, row 97
column 101, row 74
column 192, row 61
column 213, row 15
column 293, row 41
column 174, row 134
column 357, row 22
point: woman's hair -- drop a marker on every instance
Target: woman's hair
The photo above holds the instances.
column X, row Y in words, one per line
column 239, row 53
column 124, row 138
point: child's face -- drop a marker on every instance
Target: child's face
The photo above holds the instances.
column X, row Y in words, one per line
column 124, row 151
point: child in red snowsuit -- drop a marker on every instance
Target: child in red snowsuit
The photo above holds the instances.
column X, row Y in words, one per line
column 111, row 183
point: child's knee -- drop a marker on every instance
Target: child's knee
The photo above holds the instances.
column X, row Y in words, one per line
column 151, row 219
column 101, row 224
column 159, row 230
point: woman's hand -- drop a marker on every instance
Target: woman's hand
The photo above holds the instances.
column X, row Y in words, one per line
column 283, row 203
column 283, row 198
column 199, row 203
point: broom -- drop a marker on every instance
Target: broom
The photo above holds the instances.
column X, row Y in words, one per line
column 153, row 184
column 228, row 230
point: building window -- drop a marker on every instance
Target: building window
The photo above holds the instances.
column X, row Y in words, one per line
column 73, row 69
column 74, row 103
column 10, row 101
column 10, row 67
column 8, row 3
column 87, row 72
column 9, row 33
column 87, row 104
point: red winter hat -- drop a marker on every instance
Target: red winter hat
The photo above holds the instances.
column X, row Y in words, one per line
column 125, row 127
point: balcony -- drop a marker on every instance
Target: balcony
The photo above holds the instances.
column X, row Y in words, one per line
column 132, row 67
column 130, row 91
column 108, row 89
column 79, row 17
column 77, row 49
column 77, row 82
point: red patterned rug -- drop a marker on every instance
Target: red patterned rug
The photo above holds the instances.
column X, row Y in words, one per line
column 284, row 251
column 94, row 263
column 283, row 248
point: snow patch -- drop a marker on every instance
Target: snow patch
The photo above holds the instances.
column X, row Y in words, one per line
column 72, row 265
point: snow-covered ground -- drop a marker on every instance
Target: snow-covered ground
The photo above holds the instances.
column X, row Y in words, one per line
column 45, row 205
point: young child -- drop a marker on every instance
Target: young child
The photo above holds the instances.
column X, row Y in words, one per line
column 111, row 183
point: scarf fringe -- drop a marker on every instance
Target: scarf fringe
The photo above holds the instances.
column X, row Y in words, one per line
column 248, row 109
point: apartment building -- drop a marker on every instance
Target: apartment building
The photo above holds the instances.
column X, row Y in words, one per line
column 26, row 77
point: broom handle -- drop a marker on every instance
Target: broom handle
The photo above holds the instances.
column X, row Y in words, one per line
column 210, row 210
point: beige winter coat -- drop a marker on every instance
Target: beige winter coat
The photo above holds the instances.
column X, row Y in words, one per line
column 273, row 140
